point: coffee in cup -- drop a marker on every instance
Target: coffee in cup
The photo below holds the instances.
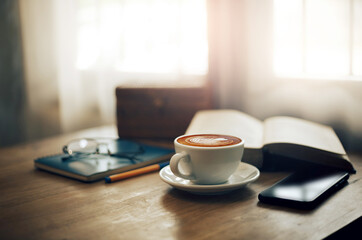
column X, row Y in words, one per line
column 206, row 158
column 208, row 140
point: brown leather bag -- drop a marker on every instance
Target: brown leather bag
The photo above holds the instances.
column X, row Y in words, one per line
column 158, row 113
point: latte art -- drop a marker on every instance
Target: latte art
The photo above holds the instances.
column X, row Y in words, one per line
column 209, row 140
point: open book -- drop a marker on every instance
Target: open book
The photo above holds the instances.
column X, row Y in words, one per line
column 289, row 137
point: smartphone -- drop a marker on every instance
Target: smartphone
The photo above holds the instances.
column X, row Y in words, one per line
column 305, row 189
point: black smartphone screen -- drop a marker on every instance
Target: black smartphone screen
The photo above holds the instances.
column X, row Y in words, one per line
column 305, row 189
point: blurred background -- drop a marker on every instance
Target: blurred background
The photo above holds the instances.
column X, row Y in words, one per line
column 60, row 60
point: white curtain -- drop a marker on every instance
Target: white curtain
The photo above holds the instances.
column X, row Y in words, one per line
column 242, row 59
column 77, row 52
column 40, row 69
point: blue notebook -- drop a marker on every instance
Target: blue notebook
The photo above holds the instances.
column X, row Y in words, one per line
column 93, row 167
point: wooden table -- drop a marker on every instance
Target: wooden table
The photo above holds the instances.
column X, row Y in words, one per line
column 39, row 205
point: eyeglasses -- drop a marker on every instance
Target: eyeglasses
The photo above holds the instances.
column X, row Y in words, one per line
column 84, row 147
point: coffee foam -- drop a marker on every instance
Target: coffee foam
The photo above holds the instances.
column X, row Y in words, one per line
column 209, row 140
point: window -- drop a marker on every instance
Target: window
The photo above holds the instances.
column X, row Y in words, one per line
column 133, row 36
column 318, row 38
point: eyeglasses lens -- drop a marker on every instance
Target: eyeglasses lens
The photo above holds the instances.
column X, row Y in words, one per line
column 82, row 146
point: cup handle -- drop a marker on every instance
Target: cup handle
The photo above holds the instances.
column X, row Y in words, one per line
column 174, row 165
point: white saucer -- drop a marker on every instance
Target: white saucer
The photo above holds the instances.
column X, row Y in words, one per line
column 244, row 174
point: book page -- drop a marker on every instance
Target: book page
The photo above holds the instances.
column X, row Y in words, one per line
column 229, row 122
column 301, row 132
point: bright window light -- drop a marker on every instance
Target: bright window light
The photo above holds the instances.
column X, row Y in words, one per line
column 319, row 38
column 357, row 38
column 150, row 36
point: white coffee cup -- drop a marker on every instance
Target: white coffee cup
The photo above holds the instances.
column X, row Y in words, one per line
column 206, row 158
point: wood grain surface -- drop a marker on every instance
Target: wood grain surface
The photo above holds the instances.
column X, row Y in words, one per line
column 39, row 205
